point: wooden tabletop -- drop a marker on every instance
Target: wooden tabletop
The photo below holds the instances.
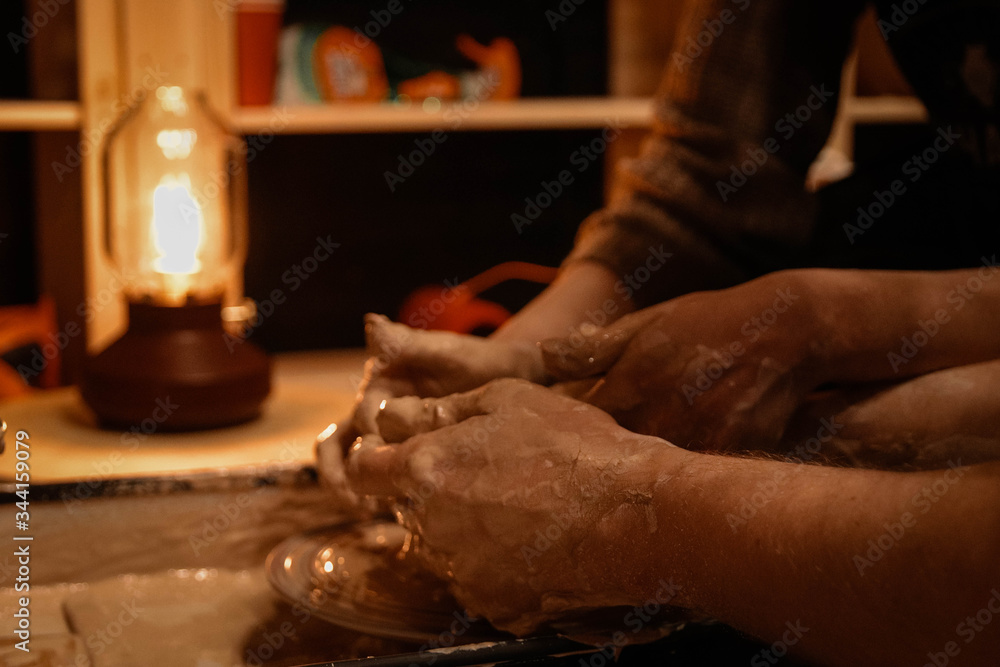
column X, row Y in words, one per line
column 311, row 391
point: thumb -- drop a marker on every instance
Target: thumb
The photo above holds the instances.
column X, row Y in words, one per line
column 401, row 418
column 374, row 468
column 330, row 466
column 592, row 351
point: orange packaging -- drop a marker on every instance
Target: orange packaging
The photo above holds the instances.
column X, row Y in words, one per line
column 258, row 25
column 348, row 66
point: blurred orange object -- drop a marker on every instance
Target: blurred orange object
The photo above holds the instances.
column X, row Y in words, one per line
column 456, row 308
column 23, row 325
column 499, row 61
column 346, row 71
column 433, row 84
column 258, row 24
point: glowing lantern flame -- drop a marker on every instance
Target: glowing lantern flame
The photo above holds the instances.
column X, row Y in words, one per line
column 178, row 232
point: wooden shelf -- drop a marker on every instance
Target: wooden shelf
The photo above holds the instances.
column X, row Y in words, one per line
column 886, row 109
column 31, row 116
column 527, row 114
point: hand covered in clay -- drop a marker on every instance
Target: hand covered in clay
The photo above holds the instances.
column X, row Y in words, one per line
column 716, row 370
column 513, row 491
column 412, row 362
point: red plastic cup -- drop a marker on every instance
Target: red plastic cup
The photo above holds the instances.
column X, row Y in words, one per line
column 258, row 26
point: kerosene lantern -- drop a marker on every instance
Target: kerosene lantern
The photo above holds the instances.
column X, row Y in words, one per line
column 174, row 189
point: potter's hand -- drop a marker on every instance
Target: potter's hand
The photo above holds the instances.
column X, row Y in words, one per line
column 405, row 362
column 510, row 489
column 412, row 362
column 710, row 370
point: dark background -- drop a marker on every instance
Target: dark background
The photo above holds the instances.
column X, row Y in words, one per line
column 18, row 283
column 452, row 217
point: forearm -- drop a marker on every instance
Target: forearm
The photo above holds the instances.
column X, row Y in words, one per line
column 588, row 292
column 881, row 568
column 887, row 325
column 917, row 424
column 584, row 292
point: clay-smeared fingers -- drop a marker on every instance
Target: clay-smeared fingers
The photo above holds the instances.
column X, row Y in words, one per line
column 385, row 337
column 402, row 418
column 366, row 411
column 330, row 466
column 375, row 468
column 443, row 362
column 395, row 345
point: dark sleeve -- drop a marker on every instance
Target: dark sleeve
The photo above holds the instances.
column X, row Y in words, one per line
column 747, row 100
column 949, row 51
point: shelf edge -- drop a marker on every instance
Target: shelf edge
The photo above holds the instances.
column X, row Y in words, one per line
column 39, row 116
column 530, row 114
